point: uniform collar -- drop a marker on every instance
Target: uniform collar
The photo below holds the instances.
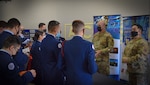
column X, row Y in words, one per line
column 39, row 41
column 137, row 38
column 9, row 32
column 51, row 34
column 3, row 50
column 78, row 36
column 102, row 32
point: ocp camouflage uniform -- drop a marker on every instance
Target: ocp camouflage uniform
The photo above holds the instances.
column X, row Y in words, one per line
column 104, row 42
column 149, row 64
column 137, row 64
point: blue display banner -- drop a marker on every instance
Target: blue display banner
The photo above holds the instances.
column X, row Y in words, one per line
column 113, row 24
column 128, row 21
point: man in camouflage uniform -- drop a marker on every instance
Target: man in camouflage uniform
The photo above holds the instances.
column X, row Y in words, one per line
column 149, row 64
column 136, row 57
column 103, row 42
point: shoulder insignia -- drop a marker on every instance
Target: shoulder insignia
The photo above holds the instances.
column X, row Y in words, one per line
column 11, row 66
column 93, row 47
column 39, row 49
column 59, row 45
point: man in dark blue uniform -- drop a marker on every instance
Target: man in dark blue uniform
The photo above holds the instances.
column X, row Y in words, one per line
column 13, row 26
column 50, row 59
column 9, row 72
column 78, row 58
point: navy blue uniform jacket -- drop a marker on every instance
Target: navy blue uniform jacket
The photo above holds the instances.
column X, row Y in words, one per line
column 35, row 64
column 20, row 58
column 51, row 61
column 9, row 72
column 79, row 61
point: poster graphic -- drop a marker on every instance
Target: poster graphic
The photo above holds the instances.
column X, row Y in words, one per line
column 87, row 35
column 113, row 24
column 26, row 33
column 128, row 21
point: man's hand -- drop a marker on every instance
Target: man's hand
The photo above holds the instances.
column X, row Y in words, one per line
column 33, row 72
column 22, row 73
column 98, row 52
column 125, row 59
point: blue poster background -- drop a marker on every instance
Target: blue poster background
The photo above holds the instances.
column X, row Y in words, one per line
column 128, row 21
column 113, row 24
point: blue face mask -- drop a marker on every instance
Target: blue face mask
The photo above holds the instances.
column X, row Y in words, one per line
column 58, row 35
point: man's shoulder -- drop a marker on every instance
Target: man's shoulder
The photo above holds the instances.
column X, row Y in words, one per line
column 87, row 42
column 50, row 41
column 82, row 41
column 143, row 42
column 96, row 34
column 107, row 34
column 5, row 57
column 2, row 53
column 49, row 38
column 5, row 34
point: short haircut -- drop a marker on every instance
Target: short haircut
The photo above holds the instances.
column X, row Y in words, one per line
column 3, row 24
column 77, row 25
column 13, row 22
column 41, row 24
column 139, row 26
column 37, row 34
column 52, row 24
column 11, row 40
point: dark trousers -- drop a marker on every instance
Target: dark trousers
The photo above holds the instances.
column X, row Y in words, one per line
column 138, row 79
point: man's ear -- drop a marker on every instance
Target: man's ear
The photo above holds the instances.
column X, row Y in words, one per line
column 83, row 31
column 140, row 31
column 72, row 30
column 11, row 47
column 56, row 28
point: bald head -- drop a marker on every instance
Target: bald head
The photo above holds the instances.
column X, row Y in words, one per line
column 77, row 26
column 101, row 26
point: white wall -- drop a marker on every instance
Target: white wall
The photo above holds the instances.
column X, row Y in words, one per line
column 32, row 12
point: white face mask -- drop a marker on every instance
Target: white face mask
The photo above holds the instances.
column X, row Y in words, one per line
column 44, row 36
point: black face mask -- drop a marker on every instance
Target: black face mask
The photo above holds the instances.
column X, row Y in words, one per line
column 99, row 28
column 17, row 32
column 23, row 32
column 44, row 30
column 134, row 33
